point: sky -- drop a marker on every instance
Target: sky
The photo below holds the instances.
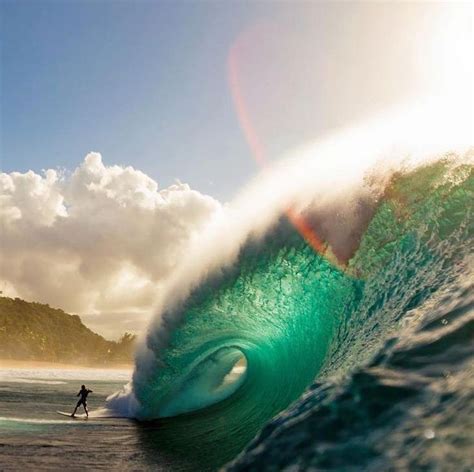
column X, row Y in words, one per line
column 133, row 108
column 145, row 83
column 142, row 82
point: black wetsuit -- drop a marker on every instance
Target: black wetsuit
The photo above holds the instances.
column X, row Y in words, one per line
column 83, row 392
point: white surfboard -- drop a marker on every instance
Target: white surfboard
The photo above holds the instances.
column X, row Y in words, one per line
column 75, row 417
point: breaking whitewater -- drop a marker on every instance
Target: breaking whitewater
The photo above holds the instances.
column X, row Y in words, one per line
column 325, row 320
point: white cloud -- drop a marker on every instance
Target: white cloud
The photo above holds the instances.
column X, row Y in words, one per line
column 99, row 241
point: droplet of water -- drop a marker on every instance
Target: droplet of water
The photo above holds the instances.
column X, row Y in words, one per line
column 429, row 434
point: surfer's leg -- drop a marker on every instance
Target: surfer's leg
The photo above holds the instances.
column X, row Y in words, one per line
column 77, row 406
column 85, row 409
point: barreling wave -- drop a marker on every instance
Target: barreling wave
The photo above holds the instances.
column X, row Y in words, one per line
column 255, row 314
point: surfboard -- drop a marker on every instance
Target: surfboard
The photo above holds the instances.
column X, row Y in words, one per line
column 75, row 417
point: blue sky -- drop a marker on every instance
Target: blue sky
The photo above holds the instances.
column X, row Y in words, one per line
column 145, row 83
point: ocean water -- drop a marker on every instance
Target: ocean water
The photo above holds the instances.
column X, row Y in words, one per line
column 34, row 437
column 287, row 359
column 362, row 364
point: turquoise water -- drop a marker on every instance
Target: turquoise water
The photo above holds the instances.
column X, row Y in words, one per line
column 296, row 316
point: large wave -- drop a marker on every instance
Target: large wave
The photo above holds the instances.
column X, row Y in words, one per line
column 255, row 313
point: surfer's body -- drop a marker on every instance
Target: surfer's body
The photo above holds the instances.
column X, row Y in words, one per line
column 83, row 393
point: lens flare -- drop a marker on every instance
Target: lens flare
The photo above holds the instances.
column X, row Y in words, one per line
column 258, row 150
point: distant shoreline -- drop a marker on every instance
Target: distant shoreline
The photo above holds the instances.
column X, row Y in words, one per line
column 22, row 364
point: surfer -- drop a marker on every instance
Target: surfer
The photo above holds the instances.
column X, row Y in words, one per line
column 83, row 392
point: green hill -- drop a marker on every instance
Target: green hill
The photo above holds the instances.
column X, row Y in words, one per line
column 37, row 332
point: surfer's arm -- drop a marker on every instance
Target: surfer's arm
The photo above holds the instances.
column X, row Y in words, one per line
column 78, row 394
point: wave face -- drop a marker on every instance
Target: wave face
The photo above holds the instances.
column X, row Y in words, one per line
column 252, row 336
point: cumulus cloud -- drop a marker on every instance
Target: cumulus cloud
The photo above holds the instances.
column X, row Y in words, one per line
column 98, row 242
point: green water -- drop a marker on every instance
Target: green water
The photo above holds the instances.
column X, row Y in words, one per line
column 293, row 314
